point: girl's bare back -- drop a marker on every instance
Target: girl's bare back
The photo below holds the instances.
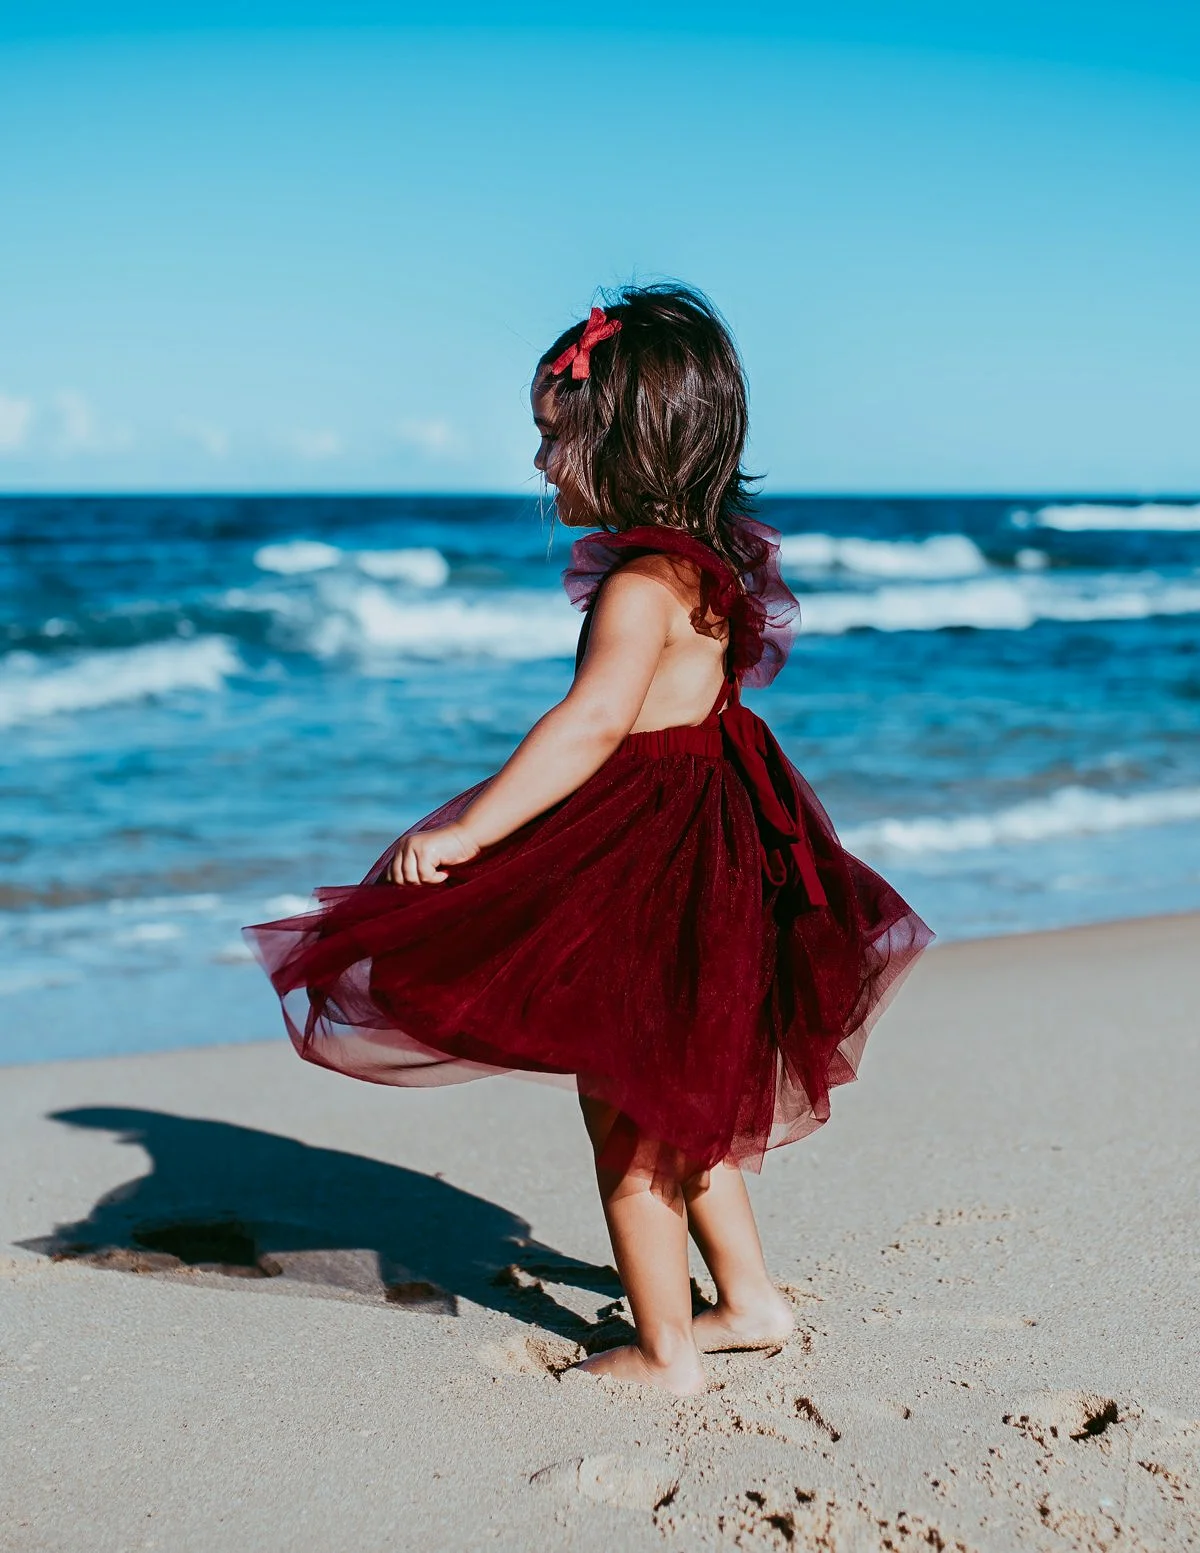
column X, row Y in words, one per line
column 691, row 669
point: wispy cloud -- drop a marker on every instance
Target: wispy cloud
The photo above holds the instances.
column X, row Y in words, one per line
column 213, row 439
column 16, row 419
column 435, row 438
column 80, row 431
column 316, row 445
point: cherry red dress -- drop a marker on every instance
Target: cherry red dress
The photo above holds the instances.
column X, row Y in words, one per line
column 682, row 937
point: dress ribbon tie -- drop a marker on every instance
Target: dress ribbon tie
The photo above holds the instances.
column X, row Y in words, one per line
column 787, row 852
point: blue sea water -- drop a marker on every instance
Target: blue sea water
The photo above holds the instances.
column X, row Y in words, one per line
column 209, row 705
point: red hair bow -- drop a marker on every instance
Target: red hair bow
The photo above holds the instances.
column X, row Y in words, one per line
column 579, row 356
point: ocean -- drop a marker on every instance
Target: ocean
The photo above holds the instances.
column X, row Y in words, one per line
column 209, row 705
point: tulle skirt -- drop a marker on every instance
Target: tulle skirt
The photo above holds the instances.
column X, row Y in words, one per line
column 627, row 942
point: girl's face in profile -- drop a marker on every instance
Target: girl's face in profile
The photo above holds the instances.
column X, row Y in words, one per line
column 547, row 461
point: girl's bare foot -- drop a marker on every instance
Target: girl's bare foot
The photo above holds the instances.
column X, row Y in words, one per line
column 682, row 1375
column 761, row 1323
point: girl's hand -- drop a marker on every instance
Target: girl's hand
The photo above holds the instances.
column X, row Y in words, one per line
column 419, row 858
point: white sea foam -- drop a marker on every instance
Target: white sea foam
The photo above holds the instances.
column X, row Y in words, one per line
column 995, row 604
column 295, row 556
column 1070, row 811
column 150, row 933
column 424, row 566
column 280, row 906
column 939, row 556
column 232, row 953
column 29, row 691
column 1132, row 599
column 523, row 625
column 1084, row 517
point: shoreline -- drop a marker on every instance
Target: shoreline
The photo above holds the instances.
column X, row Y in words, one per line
column 940, row 946
column 319, row 1314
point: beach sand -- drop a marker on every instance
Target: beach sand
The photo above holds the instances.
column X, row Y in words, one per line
column 991, row 1249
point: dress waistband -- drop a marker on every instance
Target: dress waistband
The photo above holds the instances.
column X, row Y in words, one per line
column 704, row 739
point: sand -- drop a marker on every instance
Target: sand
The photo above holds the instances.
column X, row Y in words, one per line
column 991, row 1249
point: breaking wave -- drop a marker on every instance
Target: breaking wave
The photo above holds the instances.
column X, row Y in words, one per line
column 995, row 604
column 520, row 625
column 939, row 556
column 98, row 679
column 424, row 567
column 1071, row 811
column 1105, row 517
column 421, row 565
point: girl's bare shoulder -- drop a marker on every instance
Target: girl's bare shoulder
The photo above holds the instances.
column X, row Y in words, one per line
column 682, row 580
column 680, row 576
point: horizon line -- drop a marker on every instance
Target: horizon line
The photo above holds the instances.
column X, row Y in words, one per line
column 374, row 493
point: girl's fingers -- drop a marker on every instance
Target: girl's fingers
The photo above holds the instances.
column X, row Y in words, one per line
column 420, row 862
column 428, row 869
column 403, row 868
column 410, row 865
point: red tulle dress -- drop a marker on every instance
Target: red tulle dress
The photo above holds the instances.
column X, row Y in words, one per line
column 682, row 937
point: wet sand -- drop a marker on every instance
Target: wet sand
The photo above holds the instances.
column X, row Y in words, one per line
column 246, row 1304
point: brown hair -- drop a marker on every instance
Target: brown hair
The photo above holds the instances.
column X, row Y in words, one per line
column 655, row 432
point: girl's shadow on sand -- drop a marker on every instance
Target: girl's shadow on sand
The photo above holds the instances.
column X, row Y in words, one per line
column 222, row 1202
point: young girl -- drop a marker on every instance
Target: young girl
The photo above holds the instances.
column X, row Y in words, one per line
column 647, row 899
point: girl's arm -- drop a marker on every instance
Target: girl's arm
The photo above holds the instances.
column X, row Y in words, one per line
column 630, row 622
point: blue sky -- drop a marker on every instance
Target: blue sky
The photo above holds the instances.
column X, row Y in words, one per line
column 255, row 250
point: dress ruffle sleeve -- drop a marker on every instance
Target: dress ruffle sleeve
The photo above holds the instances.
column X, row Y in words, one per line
column 762, row 610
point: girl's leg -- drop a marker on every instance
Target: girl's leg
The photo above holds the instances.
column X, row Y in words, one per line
column 749, row 1310
column 649, row 1240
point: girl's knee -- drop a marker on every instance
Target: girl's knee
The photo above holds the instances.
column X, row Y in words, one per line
column 621, row 1186
column 599, row 1118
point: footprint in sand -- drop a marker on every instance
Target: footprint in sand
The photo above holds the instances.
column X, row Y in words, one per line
column 530, row 1356
column 1052, row 1418
column 776, row 1516
column 1141, row 1469
column 1168, row 1448
column 800, row 1296
column 778, row 1412
column 641, row 1485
